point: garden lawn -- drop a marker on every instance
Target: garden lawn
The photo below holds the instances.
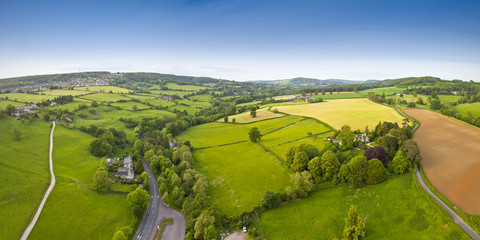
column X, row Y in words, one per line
column 395, row 209
column 245, row 117
column 24, row 173
column 105, row 97
column 213, row 134
column 106, row 89
column 357, row 113
column 239, row 175
column 73, row 210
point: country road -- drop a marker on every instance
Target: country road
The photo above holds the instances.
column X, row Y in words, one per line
column 156, row 211
column 47, row 193
column 455, row 217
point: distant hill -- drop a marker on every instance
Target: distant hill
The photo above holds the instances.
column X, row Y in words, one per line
column 302, row 82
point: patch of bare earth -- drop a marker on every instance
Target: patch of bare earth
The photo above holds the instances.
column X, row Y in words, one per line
column 451, row 157
column 237, row 236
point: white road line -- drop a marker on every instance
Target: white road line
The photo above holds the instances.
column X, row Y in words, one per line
column 49, row 190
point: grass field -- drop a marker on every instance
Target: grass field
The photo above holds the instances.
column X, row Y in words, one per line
column 442, row 98
column 202, row 98
column 26, row 98
column 170, row 92
column 451, row 164
column 465, row 109
column 63, row 92
column 72, row 106
column 239, row 175
column 195, row 104
column 213, row 134
column 248, row 103
column 76, row 211
column 24, row 173
column 105, row 97
column 245, row 117
column 159, row 102
column 141, row 97
column 395, row 209
column 339, row 96
column 129, row 105
column 281, row 149
column 387, row 90
column 175, row 86
column 5, row 103
column 294, row 132
column 106, row 89
column 357, row 113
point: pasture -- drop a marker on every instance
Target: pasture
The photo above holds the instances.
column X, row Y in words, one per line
column 175, row 86
column 5, row 103
column 159, row 102
column 25, row 97
column 140, row 97
column 72, row 106
column 293, row 132
column 466, row 109
column 72, row 202
column 387, row 90
column 338, row 95
column 105, row 97
column 24, row 173
column 395, row 209
column 245, row 117
column 451, row 164
column 106, row 89
column 357, row 113
column 170, row 92
column 201, row 98
column 239, row 175
column 63, row 92
column 129, row 105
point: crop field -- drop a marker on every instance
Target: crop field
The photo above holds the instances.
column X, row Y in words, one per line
column 246, row 118
column 465, row 109
column 26, row 98
column 175, row 86
column 106, row 89
column 24, row 170
column 64, row 92
column 387, row 90
column 450, row 151
column 129, row 105
column 239, row 175
column 357, row 113
column 5, row 103
column 213, row 134
column 395, row 209
column 72, row 202
column 105, row 97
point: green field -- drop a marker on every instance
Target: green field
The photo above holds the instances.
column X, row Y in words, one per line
column 64, row 92
column 140, row 97
column 281, row 149
column 76, row 211
column 105, row 97
column 245, row 117
column 202, row 98
column 175, row 86
column 339, row 96
column 106, row 89
column 294, row 132
column 159, row 102
column 129, row 105
column 248, row 103
column 469, row 108
column 25, row 97
column 213, row 134
column 395, row 209
column 72, row 106
column 357, row 113
column 195, row 104
column 170, row 92
column 239, row 175
column 5, row 103
column 387, row 90
column 24, row 170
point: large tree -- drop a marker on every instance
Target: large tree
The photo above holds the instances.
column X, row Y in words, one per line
column 412, row 152
column 269, row 200
column 354, row 225
column 377, row 152
column 315, row 168
column 346, row 136
column 139, row 198
column 376, row 172
column 101, row 182
column 300, row 161
column 203, row 222
column 330, row 165
column 358, row 171
column 399, row 164
column 254, row 134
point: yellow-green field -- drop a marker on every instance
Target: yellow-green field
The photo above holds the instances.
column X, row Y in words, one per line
column 5, row 103
column 105, row 97
column 175, row 86
column 106, row 89
column 25, row 97
column 246, row 118
column 63, row 92
column 357, row 113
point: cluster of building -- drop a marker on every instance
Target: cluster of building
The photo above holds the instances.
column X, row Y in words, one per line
column 125, row 172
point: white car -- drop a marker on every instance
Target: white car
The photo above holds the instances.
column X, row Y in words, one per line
column 244, row 229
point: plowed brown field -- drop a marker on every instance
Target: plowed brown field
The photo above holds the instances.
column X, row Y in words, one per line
column 451, row 157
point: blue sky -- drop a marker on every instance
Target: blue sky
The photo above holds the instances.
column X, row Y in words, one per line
column 244, row 40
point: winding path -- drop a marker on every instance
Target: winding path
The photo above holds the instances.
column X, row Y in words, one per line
column 47, row 193
column 455, row 217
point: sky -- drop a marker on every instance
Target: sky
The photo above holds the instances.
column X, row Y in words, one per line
column 244, row 39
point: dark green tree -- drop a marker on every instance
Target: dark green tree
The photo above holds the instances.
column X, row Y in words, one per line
column 254, row 134
column 330, row 165
column 376, row 171
column 101, row 182
column 269, row 200
column 412, row 152
column 399, row 164
column 315, row 168
column 300, row 161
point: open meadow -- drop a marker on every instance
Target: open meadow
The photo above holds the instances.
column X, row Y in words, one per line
column 387, row 90
column 394, row 209
column 64, row 92
column 24, row 170
column 106, row 89
column 26, row 98
column 467, row 109
column 245, row 117
column 74, row 209
column 450, row 154
column 130, row 105
column 357, row 113
column 72, row 106
column 239, row 175
column 5, row 103
column 105, row 97
column 175, row 86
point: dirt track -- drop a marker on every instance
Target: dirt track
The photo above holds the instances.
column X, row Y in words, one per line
column 451, row 157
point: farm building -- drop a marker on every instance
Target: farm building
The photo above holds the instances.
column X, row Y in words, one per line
column 364, row 138
column 127, row 170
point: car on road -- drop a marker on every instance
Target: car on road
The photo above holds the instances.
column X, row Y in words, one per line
column 244, row 229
